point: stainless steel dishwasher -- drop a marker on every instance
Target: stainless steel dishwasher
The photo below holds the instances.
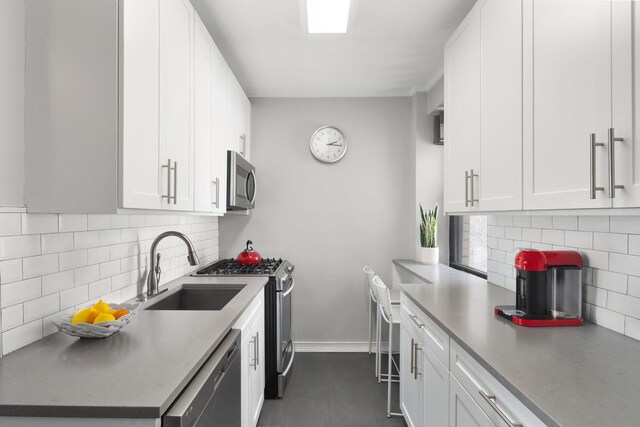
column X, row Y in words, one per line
column 212, row 398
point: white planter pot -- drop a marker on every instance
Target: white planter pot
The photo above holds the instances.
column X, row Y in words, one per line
column 428, row 255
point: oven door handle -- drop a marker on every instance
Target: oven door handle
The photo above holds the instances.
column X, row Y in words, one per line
column 288, row 291
column 293, row 355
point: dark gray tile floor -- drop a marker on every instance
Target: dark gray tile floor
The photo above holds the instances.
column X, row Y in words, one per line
column 333, row 390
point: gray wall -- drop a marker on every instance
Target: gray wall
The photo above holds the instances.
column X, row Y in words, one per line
column 330, row 220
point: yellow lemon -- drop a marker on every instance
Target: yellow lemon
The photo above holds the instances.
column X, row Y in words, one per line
column 104, row 317
column 81, row 316
column 102, row 307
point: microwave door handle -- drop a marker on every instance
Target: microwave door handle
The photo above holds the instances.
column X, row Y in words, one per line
column 255, row 185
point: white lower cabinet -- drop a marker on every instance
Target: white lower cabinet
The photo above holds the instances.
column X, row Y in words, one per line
column 251, row 325
column 442, row 385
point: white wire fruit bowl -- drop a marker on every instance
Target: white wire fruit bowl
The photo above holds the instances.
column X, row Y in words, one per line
column 102, row 330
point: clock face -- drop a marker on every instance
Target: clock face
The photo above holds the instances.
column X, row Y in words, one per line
column 328, row 144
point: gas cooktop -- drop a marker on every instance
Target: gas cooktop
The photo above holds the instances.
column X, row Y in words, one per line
column 267, row 266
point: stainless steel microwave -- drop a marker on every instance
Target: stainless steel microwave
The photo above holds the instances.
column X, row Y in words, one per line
column 241, row 182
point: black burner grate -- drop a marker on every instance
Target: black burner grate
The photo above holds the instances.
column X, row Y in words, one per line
column 231, row 266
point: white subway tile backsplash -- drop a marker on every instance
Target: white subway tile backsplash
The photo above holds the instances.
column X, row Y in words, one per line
column 624, row 304
column 522, row 221
column 98, row 222
column 610, row 242
column 86, row 239
column 609, row 280
column 513, row 233
column 19, row 246
column 632, row 328
column 633, row 287
column 58, row 242
column 57, row 282
column 55, row 263
column 541, row 222
column 625, row 224
column 505, row 220
column 12, row 317
column 41, row 307
column 21, row 336
column 594, row 295
column 10, row 271
column 553, row 237
column 593, row 223
column 10, row 224
column 17, row 292
column 607, row 318
column 39, row 265
column 579, row 239
column 565, row 222
column 39, row 223
column 634, row 244
column 71, row 260
column 627, row 264
column 595, row 259
column 532, row 235
column 72, row 222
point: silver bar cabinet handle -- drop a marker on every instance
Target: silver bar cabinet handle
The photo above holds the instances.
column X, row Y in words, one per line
column 466, row 189
column 415, row 370
column 414, row 318
column 491, row 400
column 411, row 371
column 472, row 176
column 175, row 183
column 252, row 364
column 257, row 349
column 592, row 173
column 168, row 166
column 612, row 164
column 217, row 184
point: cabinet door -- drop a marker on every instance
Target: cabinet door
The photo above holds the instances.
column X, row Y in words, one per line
column 626, row 98
column 500, row 176
column 463, row 411
column 204, row 197
column 219, row 152
column 462, row 100
column 256, row 397
column 245, row 125
column 176, row 97
column 141, row 154
column 567, row 97
column 435, row 379
column 232, row 128
column 411, row 402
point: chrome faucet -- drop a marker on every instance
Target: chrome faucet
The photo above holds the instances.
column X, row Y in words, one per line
column 153, row 277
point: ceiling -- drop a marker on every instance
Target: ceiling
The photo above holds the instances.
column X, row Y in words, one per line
column 391, row 48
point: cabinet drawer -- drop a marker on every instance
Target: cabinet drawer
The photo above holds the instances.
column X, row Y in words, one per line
column 429, row 334
column 495, row 400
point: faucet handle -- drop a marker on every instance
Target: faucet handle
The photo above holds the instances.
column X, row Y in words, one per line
column 158, row 271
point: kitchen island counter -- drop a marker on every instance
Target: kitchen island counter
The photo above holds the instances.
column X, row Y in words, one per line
column 567, row 376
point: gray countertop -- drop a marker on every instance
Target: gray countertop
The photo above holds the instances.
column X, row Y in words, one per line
column 136, row 373
column 568, row 376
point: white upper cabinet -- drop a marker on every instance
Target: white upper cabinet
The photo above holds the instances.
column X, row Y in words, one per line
column 500, row 176
column 210, row 97
column 567, row 98
column 626, row 100
column 126, row 107
column 239, row 118
column 462, row 102
column 483, row 99
column 176, row 99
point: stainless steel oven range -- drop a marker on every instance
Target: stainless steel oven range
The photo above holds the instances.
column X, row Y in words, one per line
column 279, row 346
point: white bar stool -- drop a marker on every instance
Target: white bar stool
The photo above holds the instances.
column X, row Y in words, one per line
column 373, row 302
column 390, row 313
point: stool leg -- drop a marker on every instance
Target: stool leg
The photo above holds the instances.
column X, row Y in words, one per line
column 378, row 343
column 370, row 324
column 389, row 370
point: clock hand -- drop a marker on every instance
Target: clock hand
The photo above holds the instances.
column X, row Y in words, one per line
column 335, row 143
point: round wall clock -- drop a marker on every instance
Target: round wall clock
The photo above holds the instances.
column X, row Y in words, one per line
column 328, row 144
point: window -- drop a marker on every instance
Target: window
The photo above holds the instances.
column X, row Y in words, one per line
column 468, row 244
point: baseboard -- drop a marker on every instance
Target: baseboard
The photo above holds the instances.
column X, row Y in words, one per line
column 337, row 347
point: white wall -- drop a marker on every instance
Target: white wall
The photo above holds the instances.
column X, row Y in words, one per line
column 330, row 220
column 52, row 264
column 429, row 166
column 12, row 102
column 610, row 247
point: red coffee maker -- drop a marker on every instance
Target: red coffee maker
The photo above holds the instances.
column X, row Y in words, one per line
column 548, row 289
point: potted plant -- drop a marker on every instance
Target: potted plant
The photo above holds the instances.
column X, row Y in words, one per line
column 428, row 253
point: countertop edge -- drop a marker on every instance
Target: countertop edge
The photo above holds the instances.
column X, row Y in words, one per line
column 532, row 406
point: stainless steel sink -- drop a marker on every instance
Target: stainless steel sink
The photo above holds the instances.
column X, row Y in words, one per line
column 197, row 297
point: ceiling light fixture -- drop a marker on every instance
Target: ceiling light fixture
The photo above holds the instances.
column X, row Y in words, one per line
column 327, row 16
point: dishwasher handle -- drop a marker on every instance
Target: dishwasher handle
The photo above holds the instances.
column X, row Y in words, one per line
column 196, row 396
